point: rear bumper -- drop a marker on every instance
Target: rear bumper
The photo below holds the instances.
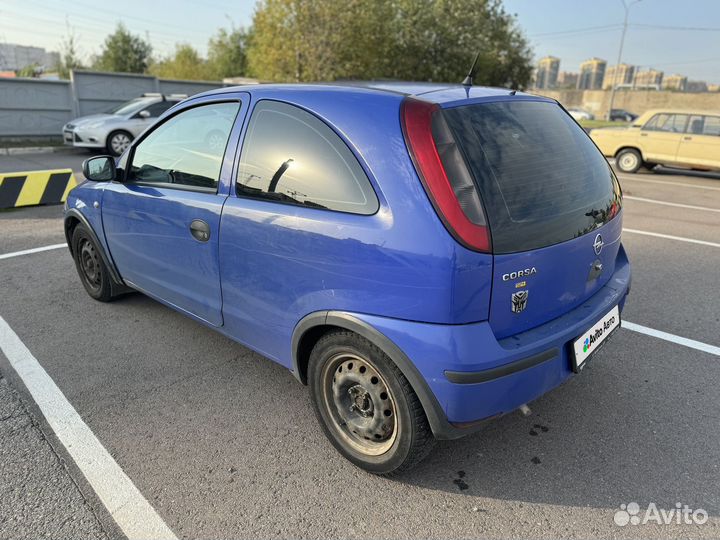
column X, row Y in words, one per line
column 474, row 376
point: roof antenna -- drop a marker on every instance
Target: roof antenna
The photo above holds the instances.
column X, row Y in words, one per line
column 468, row 80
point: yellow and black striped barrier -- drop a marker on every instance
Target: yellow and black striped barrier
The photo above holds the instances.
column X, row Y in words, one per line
column 35, row 187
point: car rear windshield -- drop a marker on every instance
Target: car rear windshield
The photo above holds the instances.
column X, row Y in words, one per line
column 541, row 178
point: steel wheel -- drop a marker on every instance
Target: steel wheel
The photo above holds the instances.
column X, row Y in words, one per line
column 360, row 403
column 90, row 264
column 628, row 161
column 119, row 143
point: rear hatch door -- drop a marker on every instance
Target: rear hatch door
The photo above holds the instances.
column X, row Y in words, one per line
column 552, row 203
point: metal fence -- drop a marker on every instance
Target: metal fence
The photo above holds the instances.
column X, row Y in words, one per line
column 32, row 107
column 39, row 108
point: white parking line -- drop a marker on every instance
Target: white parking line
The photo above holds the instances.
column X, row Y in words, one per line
column 665, row 203
column 680, row 184
column 127, row 506
column 671, row 237
column 33, row 250
column 697, row 345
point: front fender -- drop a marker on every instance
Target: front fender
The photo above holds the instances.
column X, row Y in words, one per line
column 72, row 214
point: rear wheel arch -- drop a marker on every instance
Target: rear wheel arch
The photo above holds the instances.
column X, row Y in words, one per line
column 315, row 325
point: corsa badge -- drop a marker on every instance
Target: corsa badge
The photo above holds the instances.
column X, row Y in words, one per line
column 519, row 301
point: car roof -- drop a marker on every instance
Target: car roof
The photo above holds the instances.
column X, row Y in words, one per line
column 680, row 111
column 440, row 93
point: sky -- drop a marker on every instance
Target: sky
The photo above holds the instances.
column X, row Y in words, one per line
column 677, row 36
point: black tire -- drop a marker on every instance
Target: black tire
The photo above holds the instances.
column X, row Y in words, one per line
column 117, row 142
column 384, row 429
column 90, row 266
column 628, row 160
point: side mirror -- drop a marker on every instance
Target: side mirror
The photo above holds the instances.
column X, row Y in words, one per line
column 99, row 169
column 144, row 114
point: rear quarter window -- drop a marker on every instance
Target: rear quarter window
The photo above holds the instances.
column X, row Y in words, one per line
column 290, row 156
column 541, row 178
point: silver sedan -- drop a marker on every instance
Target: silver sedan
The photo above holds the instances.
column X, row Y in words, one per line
column 116, row 129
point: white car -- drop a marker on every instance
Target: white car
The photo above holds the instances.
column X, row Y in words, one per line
column 580, row 114
column 116, row 129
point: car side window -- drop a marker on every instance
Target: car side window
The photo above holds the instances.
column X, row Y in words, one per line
column 291, row 156
column 670, row 123
column 186, row 150
column 156, row 109
column 656, row 121
column 695, row 126
column 712, row 126
column 675, row 123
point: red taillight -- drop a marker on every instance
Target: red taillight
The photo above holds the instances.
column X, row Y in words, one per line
column 444, row 174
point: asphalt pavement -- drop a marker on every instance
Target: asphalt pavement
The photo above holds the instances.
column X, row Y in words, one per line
column 223, row 443
column 60, row 158
column 39, row 496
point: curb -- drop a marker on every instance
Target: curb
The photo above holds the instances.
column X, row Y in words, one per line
column 32, row 150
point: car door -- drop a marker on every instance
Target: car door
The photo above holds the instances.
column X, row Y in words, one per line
column 161, row 223
column 660, row 137
column 700, row 146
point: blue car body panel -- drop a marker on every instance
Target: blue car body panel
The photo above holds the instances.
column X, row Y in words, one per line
column 270, row 265
column 146, row 229
column 473, row 348
column 281, row 262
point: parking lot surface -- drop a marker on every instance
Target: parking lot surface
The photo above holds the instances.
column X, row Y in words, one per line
column 223, row 443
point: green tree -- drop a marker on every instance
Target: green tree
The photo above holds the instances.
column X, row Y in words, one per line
column 69, row 57
column 123, row 52
column 29, row 71
column 312, row 40
column 438, row 39
column 227, row 53
column 184, row 63
column 426, row 40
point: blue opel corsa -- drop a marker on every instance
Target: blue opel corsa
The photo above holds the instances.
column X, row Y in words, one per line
column 423, row 256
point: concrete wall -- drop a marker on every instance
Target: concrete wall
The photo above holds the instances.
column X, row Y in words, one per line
column 635, row 101
column 34, row 107
column 96, row 92
column 39, row 108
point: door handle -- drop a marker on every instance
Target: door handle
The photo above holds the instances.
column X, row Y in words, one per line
column 200, row 230
column 643, row 134
column 687, row 138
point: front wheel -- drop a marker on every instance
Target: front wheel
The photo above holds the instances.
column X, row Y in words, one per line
column 91, row 268
column 366, row 406
column 628, row 160
column 118, row 142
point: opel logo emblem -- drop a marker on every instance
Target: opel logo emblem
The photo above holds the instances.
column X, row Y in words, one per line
column 598, row 244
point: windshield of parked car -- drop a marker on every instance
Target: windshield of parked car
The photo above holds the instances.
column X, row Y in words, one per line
column 130, row 107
